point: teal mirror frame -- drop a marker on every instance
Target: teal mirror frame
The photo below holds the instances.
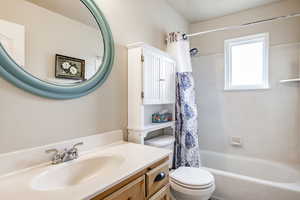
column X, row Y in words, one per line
column 13, row 73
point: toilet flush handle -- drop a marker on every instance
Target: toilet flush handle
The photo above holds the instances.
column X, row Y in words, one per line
column 160, row 177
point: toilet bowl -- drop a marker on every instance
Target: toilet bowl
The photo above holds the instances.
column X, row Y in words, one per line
column 189, row 183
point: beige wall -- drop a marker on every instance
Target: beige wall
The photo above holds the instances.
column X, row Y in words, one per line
column 27, row 120
column 267, row 120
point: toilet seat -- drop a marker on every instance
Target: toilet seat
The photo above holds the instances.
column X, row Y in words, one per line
column 192, row 183
column 202, row 187
column 193, row 178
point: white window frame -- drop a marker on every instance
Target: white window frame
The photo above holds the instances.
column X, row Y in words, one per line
column 263, row 37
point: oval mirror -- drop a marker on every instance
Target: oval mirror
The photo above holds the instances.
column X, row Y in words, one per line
column 57, row 49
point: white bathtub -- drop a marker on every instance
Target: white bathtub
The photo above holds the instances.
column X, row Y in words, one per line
column 242, row 178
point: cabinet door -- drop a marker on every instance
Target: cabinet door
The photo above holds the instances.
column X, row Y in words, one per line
column 163, row 194
column 151, row 79
column 132, row 191
column 167, row 81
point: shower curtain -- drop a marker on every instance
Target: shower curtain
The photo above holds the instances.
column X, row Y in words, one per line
column 186, row 148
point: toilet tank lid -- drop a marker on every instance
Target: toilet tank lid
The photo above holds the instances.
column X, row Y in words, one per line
column 161, row 141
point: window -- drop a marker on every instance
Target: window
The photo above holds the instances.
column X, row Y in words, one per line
column 246, row 62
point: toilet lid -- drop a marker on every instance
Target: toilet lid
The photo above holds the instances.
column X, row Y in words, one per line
column 190, row 187
column 161, row 141
column 192, row 176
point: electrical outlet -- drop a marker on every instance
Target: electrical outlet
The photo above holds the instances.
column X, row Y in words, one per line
column 236, row 141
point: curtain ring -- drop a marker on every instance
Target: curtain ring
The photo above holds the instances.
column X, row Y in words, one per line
column 184, row 36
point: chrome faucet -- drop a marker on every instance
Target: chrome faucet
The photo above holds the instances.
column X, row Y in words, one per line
column 65, row 155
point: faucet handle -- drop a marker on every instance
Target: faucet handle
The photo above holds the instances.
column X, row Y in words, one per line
column 74, row 150
column 52, row 150
column 78, row 144
column 57, row 158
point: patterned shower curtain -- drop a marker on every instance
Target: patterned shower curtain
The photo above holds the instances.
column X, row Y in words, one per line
column 186, row 149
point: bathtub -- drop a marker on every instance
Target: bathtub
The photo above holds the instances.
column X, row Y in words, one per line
column 242, row 178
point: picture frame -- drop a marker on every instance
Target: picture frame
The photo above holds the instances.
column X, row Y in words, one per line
column 69, row 68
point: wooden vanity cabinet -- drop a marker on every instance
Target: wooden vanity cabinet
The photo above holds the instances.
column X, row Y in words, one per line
column 152, row 183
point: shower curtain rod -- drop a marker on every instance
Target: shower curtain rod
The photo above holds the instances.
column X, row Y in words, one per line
column 244, row 25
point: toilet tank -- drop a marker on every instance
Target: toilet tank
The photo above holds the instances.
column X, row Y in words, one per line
column 165, row 142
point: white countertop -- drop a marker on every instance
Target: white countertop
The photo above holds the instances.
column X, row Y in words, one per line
column 136, row 157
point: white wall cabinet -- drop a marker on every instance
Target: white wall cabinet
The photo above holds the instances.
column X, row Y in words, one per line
column 158, row 77
column 151, row 87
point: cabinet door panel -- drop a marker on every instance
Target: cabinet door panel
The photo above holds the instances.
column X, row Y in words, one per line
column 163, row 194
column 163, row 78
column 151, row 79
column 167, row 83
column 133, row 191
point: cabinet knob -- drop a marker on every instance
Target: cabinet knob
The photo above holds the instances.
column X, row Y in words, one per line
column 160, row 177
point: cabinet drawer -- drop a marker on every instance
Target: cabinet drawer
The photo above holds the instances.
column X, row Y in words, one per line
column 157, row 178
column 163, row 194
column 133, row 191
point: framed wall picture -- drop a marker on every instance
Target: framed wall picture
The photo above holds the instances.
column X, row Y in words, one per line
column 69, row 68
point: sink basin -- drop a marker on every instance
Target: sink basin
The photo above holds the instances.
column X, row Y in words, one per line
column 76, row 172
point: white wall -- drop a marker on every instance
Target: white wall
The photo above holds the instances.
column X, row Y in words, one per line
column 267, row 120
column 27, row 120
column 282, row 32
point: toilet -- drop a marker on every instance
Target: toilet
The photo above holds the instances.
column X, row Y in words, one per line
column 187, row 183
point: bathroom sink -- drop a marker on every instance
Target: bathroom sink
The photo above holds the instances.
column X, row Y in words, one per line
column 76, row 172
